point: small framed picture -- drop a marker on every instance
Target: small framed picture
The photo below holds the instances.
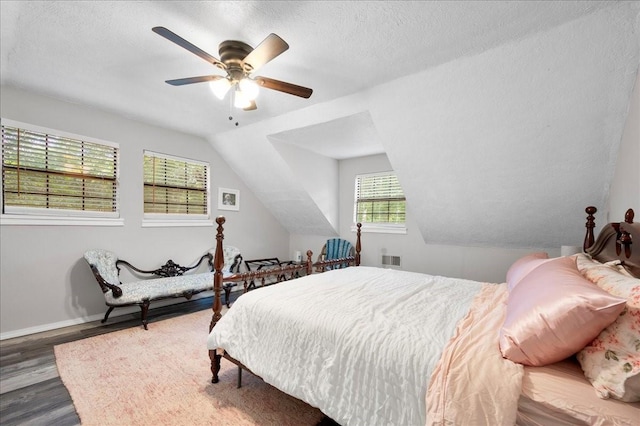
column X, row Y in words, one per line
column 228, row 199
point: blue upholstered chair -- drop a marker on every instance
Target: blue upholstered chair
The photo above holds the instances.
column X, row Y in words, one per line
column 336, row 248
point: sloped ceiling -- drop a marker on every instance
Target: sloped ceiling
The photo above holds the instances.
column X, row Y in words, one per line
column 502, row 119
column 104, row 54
column 504, row 147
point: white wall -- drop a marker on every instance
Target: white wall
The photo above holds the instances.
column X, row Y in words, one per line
column 44, row 281
column 317, row 174
column 476, row 263
column 625, row 188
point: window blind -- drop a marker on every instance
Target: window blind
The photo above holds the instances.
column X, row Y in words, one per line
column 44, row 171
column 379, row 199
column 174, row 186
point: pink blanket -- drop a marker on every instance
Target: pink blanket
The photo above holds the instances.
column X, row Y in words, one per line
column 472, row 383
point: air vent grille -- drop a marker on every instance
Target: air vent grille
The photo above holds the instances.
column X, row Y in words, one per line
column 390, row 261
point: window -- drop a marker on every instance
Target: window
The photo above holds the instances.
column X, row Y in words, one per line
column 56, row 176
column 175, row 186
column 379, row 202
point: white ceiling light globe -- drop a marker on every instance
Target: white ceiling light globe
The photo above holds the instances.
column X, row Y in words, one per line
column 220, row 87
column 250, row 88
column 241, row 100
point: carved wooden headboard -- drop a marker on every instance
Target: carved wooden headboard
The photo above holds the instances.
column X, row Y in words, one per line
column 615, row 242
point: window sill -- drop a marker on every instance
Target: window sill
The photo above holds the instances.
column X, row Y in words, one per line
column 14, row 219
column 380, row 228
column 168, row 223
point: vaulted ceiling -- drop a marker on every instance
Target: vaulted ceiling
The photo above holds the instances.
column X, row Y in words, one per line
column 494, row 114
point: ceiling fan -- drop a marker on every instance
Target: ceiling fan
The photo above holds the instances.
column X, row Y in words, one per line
column 239, row 61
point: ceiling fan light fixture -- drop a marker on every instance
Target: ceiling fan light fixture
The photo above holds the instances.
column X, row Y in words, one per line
column 220, row 87
column 240, row 99
column 249, row 88
column 239, row 60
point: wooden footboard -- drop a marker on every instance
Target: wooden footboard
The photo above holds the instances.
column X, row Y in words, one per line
column 279, row 273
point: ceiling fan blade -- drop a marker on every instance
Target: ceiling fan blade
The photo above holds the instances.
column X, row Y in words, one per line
column 171, row 36
column 282, row 86
column 191, row 80
column 251, row 107
column 268, row 49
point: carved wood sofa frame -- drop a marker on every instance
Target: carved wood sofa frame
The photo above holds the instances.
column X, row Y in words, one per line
column 278, row 274
column 167, row 281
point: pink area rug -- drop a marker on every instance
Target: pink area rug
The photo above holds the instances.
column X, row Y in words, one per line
column 162, row 377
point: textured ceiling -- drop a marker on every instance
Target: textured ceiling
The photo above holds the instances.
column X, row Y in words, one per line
column 503, row 147
column 103, row 53
column 438, row 86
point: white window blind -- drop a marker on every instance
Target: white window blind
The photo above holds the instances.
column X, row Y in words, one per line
column 175, row 185
column 43, row 172
column 379, row 199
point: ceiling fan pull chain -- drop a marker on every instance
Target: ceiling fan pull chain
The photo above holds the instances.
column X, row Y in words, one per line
column 231, row 102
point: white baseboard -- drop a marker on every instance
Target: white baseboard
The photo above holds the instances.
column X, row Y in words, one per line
column 115, row 314
column 48, row 327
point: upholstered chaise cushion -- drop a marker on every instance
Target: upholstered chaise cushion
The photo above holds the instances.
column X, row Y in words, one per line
column 138, row 291
column 158, row 288
column 106, row 268
column 105, row 262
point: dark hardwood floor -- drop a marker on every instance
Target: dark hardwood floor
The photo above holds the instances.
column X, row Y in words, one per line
column 31, row 392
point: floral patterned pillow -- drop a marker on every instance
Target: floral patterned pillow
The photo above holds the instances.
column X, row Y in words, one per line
column 612, row 361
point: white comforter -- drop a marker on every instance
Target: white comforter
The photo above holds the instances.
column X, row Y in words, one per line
column 358, row 343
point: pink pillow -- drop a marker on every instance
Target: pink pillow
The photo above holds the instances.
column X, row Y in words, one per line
column 554, row 312
column 523, row 266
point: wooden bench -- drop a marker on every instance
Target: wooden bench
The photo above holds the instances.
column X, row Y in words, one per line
column 170, row 280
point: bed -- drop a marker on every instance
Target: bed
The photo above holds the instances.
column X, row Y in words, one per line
column 373, row 346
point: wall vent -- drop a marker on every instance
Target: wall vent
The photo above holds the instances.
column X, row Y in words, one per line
column 390, row 261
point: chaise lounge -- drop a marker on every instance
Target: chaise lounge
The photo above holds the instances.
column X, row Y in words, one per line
column 172, row 280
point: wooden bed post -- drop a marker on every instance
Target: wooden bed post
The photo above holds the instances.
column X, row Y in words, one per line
column 588, row 238
column 628, row 216
column 218, row 264
column 358, row 245
column 309, row 262
column 624, row 237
